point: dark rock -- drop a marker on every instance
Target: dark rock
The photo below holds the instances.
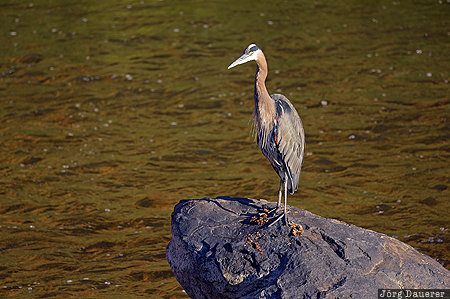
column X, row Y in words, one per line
column 216, row 251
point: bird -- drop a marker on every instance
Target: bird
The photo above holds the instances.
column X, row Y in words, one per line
column 278, row 129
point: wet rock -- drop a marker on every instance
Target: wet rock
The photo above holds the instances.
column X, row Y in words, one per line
column 218, row 251
column 31, row 160
column 145, row 203
column 31, row 58
column 440, row 187
column 429, row 201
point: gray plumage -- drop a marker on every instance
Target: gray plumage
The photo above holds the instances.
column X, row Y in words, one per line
column 279, row 130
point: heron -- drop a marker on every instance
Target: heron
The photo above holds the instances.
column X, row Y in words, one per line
column 278, row 128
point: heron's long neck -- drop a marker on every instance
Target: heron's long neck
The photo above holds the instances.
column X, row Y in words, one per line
column 264, row 105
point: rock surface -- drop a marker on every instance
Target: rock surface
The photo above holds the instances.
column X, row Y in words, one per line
column 217, row 251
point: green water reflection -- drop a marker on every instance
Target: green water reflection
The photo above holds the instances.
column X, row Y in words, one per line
column 113, row 111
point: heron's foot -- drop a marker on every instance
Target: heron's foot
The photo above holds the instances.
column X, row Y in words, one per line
column 274, row 210
column 278, row 218
column 270, row 212
column 265, row 215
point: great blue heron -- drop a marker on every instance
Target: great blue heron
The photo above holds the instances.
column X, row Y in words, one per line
column 279, row 130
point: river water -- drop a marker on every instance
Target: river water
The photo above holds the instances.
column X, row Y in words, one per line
column 113, row 111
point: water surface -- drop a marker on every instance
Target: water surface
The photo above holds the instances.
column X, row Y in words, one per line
column 112, row 112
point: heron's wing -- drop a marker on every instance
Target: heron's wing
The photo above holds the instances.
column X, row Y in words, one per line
column 290, row 138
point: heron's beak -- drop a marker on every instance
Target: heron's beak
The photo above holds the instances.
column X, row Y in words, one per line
column 243, row 59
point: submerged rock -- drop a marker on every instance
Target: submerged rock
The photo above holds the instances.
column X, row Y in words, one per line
column 219, row 250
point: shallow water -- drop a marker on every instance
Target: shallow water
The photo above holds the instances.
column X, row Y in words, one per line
column 114, row 111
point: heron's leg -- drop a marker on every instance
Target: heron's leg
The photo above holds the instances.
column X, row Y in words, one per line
column 285, row 202
column 279, row 194
column 279, row 217
column 279, row 199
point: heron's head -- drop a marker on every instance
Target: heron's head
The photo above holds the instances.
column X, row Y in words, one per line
column 250, row 53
